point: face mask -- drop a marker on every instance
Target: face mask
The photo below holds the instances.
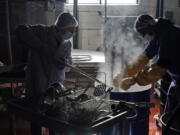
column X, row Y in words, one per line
column 148, row 37
column 67, row 35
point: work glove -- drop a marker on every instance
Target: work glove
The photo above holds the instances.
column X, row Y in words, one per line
column 144, row 77
column 133, row 68
column 126, row 83
column 116, row 80
column 149, row 75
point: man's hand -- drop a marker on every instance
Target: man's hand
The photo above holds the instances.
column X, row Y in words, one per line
column 126, row 83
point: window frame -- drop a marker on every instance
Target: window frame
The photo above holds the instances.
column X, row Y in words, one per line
column 102, row 3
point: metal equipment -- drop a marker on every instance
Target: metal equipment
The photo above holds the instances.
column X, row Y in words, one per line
column 78, row 103
column 86, row 105
column 79, row 110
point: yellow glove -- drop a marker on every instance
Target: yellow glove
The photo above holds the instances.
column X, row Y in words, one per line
column 131, row 69
column 135, row 67
column 116, row 80
column 149, row 75
column 126, row 83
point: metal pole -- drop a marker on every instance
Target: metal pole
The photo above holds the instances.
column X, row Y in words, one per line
column 157, row 8
column 83, row 73
column 161, row 8
column 76, row 36
column 105, row 10
column 8, row 32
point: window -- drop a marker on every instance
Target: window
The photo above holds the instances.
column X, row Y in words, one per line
column 114, row 2
column 121, row 2
column 85, row 1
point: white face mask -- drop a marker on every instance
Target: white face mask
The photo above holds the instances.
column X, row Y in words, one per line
column 148, row 37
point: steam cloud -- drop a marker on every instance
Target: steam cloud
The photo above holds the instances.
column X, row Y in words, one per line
column 122, row 45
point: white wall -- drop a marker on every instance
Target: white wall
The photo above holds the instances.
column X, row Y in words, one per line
column 91, row 18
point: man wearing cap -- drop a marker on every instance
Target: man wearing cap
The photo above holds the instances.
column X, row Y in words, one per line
column 163, row 45
column 49, row 48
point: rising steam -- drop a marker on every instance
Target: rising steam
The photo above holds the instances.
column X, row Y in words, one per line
column 122, row 45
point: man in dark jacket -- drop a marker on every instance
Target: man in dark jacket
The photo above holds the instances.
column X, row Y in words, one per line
column 164, row 45
column 49, row 48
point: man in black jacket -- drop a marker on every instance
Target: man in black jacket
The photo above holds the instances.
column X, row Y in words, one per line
column 164, row 47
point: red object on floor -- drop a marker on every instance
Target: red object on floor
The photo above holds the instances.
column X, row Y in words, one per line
column 153, row 129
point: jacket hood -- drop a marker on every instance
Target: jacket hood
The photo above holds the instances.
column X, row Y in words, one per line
column 163, row 26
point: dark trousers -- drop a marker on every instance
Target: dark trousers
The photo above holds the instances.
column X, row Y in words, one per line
column 36, row 129
column 173, row 108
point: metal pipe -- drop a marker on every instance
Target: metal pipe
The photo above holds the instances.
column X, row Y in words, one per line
column 89, row 76
column 105, row 10
column 161, row 8
column 76, row 36
column 157, row 8
column 100, row 1
column 84, row 73
column 8, row 32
